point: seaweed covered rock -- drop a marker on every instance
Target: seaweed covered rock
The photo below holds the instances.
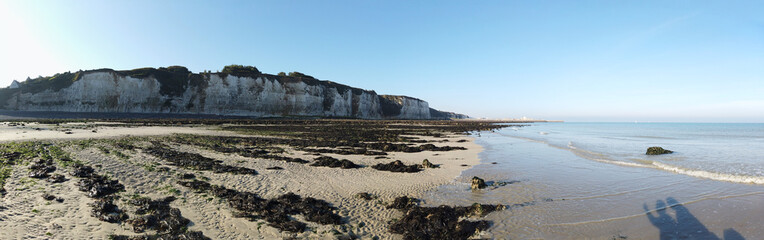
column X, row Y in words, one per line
column 57, row 178
column 480, row 210
column 238, row 145
column 49, row 197
column 436, row 223
column 657, row 151
column 105, row 210
column 41, row 168
column 79, row 170
column 326, row 161
column 403, row 202
column 157, row 215
column 427, row 164
column 10, row 157
column 275, row 211
column 194, row 161
column 397, row 166
column 397, row 147
column 477, row 183
column 188, row 235
column 97, row 186
column 346, row 151
column 365, row 196
column 443, row 222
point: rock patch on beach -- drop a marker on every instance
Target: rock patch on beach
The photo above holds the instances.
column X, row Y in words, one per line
column 326, row 161
column 365, row 196
column 477, row 183
column 275, row 211
column 397, row 166
column 157, row 215
column 167, row 222
column 443, row 222
column 252, row 147
column 403, row 202
column 427, row 164
column 195, row 161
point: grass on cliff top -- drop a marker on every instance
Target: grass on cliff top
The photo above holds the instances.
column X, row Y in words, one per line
column 173, row 80
column 54, row 83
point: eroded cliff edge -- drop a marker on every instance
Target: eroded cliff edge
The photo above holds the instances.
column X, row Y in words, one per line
column 237, row 91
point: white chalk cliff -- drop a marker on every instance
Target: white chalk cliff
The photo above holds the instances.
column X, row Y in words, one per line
column 175, row 90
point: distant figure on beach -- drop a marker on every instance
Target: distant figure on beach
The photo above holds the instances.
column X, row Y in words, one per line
column 685, row 226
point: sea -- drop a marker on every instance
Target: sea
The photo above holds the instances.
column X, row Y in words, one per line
column 731, row 152
column 594, row 181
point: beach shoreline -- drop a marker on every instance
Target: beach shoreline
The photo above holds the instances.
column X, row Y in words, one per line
column 574, row 197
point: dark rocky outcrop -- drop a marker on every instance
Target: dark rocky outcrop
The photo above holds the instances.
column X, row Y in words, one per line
column 166, row 222
column 102, row 189
column 97, row 186
column 57, row 178
column 478, row 183
column 51, row 197
column 657, row 151
column 326, row 161
column 443, row 222
column 194, row 161
column 105, row 210
column 41, row 168
column 365, row 196
column 397, row 166
column 275, row 211
column 427, row 164
column 157, row 215
column 403, row 202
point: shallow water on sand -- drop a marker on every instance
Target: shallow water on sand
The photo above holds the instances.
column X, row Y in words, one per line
column 731, row 152
column 560, row 194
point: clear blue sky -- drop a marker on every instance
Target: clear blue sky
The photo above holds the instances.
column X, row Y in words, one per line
column 570, row 60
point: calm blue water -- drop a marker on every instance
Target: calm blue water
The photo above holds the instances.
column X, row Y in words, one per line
column 718, row 151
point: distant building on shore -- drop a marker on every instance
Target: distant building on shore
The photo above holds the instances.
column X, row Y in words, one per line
column 14, row 84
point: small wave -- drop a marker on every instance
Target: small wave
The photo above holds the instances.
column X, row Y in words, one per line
column 711, row 175
column 643, row 163
column 543, row 133
column 622, row 163
column 688, row 172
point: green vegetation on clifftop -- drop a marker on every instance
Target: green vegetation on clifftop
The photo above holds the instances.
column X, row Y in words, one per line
column 174, row 80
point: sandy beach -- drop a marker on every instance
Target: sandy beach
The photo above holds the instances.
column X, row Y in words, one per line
column 26, row 214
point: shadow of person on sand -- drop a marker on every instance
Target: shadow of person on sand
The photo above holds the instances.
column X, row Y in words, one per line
column 685, row 225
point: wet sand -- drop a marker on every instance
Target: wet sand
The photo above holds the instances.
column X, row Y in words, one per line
column 575, row 198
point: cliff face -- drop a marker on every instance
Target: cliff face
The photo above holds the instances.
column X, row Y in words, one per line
column 179, row 91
